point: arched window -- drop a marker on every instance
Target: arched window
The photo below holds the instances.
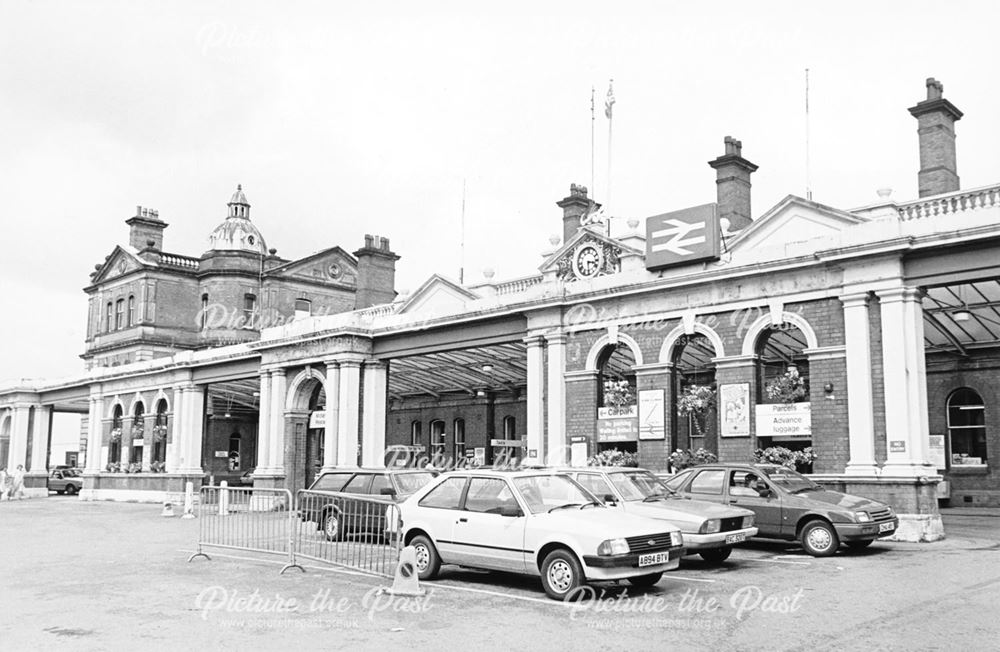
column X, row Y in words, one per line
column 115, row 443
column 235, row 451
column 131, row 310
column 416, row 436
column 119, row 314
column 459, row 432
column 966, row 427
column 303, row 308
column 437, row 438
column 695, row 391
column 137, row 433
column 509, row 428
column 782, row 378
column 160, row 433
column 139, row 418
column 249, row 310
column 110, row 317
column 204, row 311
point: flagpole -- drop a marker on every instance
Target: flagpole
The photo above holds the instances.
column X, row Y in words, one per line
column 609, row 111
column 593, row 188
column 809, row 194
column 461, row 262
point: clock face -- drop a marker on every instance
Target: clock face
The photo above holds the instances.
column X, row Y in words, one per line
column 588, row 261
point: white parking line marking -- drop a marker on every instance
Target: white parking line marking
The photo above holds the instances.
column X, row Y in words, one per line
column 687, row 579
column 782, row 561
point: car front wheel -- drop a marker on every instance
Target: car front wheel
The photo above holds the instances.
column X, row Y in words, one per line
column 561, row 574
column 70, row 490
column 428, row 561
column 716, row 555
column 333, row 526
column 819, row 539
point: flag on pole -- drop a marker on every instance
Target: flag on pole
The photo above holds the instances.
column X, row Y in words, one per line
column 609, row 100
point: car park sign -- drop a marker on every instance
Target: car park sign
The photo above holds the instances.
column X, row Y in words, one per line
column 682, row 237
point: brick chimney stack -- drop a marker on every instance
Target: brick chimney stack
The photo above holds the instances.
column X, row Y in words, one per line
column 145, row 225
column 936, row 119
column 733, row 185
column 574, row 208
column 376, row 273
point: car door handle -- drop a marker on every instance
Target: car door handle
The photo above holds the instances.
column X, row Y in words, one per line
column 463, row 520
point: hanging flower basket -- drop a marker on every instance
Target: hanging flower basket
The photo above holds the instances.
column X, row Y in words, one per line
column 138, row 431
column 697, row 401
column 789, row 387
column 159, row 433
column 116, row 435
column 618, row 394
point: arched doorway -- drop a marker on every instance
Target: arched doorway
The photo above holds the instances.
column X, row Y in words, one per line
column 696, row 418
column 315, row 432
column 617, row 422
column 783, row 392
column 5, row 442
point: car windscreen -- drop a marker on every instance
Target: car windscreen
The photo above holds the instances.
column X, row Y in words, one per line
column 638, row 485
column 408, row 483
column 543, row 493
column 789, row 480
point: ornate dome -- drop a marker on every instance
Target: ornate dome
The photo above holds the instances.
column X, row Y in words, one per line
column 237, row 232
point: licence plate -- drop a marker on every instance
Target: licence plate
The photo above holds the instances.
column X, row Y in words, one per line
column 886, row 527
column 736, row 538
column 654, row 558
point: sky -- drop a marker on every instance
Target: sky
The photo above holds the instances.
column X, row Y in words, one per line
column 341, row 119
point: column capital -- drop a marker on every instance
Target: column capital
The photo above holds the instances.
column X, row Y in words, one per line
column 332, row 364
column 734, row 361
column 533, row 341
column 653, row 368
column 279, row 371
column 376, row 364
column 855, row 299
column 556, row 338
column 898, row 294
column 584, row 374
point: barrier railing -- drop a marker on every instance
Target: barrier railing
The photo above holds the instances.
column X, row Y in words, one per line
column 357, row 532
column 246, row 518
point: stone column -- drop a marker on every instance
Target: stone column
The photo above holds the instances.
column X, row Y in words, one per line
column 905, row 384
column 174, row 427
column 264, row 465
column 192, row 429
column 18, row 436
column 40, row 439
column 373, row 442
column 654, row 453
column 148, row 423
column 331, row 434
column 94, row 426
column 736, row 370
column 556, row 446
column 581, row 409
column 535, row 395
column 860, row 420
column 279, row 387
column 350, row 397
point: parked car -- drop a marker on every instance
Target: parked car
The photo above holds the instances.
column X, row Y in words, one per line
column 709, row 529
column 790, row 506
column 340, row 517
column 65, row 481
column 534, row 522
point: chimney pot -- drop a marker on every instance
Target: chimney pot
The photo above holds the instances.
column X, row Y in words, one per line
column 575, row 206
column 733, row 184
column 936, row 118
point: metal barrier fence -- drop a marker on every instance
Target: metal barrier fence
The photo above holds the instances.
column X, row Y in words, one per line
column 357, row 532
column 245, row 518
column 348, row 530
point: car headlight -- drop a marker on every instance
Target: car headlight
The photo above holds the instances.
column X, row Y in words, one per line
column 891, row 512
column 613, row 547
column 711, row 526
column 748, row 521
column 863, row 517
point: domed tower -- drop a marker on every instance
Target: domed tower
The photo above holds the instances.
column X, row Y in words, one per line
column 237, row 232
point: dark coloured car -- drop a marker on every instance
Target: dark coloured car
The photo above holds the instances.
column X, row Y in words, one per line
column 790, row 506
column 377, row 490
column 65, row 481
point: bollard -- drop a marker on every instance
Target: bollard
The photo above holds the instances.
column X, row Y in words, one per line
column 188, row 500
column 168, row 509
column 406, row 582
column 223, row 498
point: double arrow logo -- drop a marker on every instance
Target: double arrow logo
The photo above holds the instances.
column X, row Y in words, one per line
column 677, row 232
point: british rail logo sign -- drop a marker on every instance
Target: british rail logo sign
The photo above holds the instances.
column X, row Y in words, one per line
column 681, row 237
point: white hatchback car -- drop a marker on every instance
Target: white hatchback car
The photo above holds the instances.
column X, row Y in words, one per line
column 539, row 523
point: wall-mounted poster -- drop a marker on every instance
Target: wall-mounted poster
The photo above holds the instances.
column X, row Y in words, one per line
column 651, row 416
column 734, row 408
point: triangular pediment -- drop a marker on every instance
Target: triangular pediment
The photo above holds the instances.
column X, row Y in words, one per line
column 588, row 254
column 333, row 265
column 119, row 262
column 438, row 295
column 791, row 221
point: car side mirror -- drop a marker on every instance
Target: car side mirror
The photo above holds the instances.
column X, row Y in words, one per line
column 387, row 491
column 510, row 510
column 761, row 488
column 609, row 499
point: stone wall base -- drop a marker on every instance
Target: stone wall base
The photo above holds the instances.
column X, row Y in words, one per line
column 139, row 487
column 918, row 528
